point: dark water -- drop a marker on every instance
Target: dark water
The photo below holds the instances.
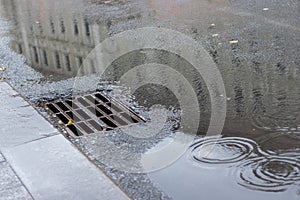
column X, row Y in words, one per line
column 258, row 156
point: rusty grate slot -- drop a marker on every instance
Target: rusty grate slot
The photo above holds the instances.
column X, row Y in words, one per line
column 91, row 113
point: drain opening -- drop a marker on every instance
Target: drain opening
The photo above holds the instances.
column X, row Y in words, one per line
column 102, row 98
column 85, row 127
column 53, row 108
column 95, row 125
column 91, row 113
column 105, row 109
column 62, row 118
column 75, row 130
column 72, row 104
column 62, row 106
column 82, row 114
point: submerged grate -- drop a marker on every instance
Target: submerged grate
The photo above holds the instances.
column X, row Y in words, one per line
column 91, row 113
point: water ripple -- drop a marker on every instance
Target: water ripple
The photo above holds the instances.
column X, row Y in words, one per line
column 254, row 168
column 223, row 150
column 270, row 173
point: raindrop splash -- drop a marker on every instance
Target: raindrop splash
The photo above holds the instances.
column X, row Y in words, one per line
column 270, row 173
column 222, row 150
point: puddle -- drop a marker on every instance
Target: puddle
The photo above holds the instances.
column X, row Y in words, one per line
column 222, row 151
column 270, row 173
column 233, row 168
column 255, row 50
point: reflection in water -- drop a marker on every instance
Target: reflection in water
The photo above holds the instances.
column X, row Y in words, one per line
column 222, row 151
column 169, row 7
column 262, row 93
column 256, row 169
column 270, row 173
column 231, row 168
column 51, row 39
column 261, row 75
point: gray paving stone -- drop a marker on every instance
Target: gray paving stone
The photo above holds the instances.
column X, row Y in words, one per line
column 52, row 168
column 10, row 185
column 15, row 193
column 20, row 123
column 5, row 88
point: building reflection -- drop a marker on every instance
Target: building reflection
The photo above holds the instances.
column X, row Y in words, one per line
column 260, row 91
column 51, row 40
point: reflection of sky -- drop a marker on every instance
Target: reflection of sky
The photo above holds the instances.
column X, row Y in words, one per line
column 170, row 7
column 187, row 180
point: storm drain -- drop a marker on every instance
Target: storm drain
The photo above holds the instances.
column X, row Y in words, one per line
column 91, row 113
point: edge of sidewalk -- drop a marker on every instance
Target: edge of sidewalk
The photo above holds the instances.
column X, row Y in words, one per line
column 70, row 174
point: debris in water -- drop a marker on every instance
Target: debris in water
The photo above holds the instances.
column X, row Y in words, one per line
column 2, row 68
column 106, row 2
column 70, row 122
column 233, row 41
column 215, row 35
column 265, row 9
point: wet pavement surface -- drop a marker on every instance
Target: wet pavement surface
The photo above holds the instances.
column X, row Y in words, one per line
column 255, row 46
column 11, row 186
column 36, row 164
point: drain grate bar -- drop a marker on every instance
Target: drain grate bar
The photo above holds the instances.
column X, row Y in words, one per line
column 91, row 113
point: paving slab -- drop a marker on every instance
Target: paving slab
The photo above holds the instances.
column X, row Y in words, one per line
column 6, row 89
column 10, row 185
column 20, row 122
column 52, row 168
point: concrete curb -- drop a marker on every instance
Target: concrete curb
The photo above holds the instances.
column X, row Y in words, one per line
column 48, row 165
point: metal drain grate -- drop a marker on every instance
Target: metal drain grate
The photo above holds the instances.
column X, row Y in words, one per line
column 91, row 113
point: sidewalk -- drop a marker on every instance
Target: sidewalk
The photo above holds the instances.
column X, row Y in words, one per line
column 39, row 163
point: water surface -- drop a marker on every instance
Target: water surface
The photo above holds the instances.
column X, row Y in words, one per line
column 257, row 156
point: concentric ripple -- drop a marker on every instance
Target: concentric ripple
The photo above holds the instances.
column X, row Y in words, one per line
column 222, row 150
column 273, row 173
